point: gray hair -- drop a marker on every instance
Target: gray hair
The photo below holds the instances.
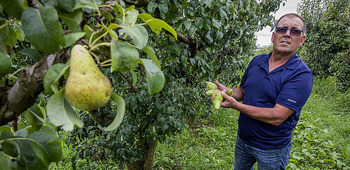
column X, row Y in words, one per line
column 295, row 15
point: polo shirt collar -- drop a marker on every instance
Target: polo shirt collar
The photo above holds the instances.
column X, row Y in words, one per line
column 291, row 64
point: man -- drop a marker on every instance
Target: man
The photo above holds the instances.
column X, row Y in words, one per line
column 273, row 89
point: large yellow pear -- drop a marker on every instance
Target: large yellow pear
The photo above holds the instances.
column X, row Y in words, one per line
column 87, row 88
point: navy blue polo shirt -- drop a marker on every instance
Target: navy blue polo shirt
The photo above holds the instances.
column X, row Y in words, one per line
column 288, row 85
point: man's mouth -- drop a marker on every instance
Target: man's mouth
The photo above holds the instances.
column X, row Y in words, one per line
column 284, row 42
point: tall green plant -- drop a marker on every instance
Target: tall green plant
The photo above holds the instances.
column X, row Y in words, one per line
column 212, row 38
column 326, row 49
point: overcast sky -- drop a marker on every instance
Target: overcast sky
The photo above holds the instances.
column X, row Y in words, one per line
column 264, row 36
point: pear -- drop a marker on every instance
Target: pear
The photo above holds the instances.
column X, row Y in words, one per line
column 86, row 88
column 216, row 97
column 229, row 92
column 214, row 92
column 211, row 86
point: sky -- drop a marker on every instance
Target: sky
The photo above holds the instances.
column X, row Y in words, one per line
column 264, row 36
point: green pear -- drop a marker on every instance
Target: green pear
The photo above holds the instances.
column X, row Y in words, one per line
column 86, row 88
column 214, row 92
column 217, row 99
column 229, row 92
column 211, row 86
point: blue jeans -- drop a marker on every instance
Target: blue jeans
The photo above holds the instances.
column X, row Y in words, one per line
column 267, row 159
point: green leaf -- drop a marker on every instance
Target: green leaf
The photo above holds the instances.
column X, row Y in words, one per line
column 157, row 25
column 10, row 147
column 238, row 33
column 3, row 164
column 52, row 3
column 36, row 116
column 131, row 17
column 108, row 16
column 199, row 22
column 119, row 101
column 216, row 23
column 28, row 159
column 113, row 34
column 52, row 76
column 35, row 152
column 163, row 7
column 124, row 56
column 7, row 35
column 155, row 77
column 208, row 3
column 5, row 133
column 85, row 4
column 145, row 17
column 3, row 34
column 346, row 152
column 42, row 29
column 61, row 113
column 73, row 20
column 11, row 37
column 134, row 77
column 31, row 53
column 49, row 144
column 71, row 38
column 151, row 6
column 187, row 25
column 138, row 34
column 66, row 5
column 14, row 7
column 209, row 37
column 119, row 13
column 5, row 63
column 91, row 35
column 113, row 26
column 20, row 34
column 150, row 52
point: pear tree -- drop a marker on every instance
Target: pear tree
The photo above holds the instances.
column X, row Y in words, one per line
column 114, row 76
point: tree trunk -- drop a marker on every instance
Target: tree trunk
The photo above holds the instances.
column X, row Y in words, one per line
column 150, row 155
column 147, row 160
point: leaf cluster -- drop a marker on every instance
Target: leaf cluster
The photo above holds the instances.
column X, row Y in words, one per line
column 326, row 49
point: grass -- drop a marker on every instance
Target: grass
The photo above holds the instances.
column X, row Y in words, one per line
column 208, row 144
column 321, row 139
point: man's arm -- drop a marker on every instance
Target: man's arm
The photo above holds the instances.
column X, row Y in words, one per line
column 274, row 116
column 238, row 93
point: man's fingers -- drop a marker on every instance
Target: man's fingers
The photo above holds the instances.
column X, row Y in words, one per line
column 227, row 97
column 217, row 83
column 220, row 86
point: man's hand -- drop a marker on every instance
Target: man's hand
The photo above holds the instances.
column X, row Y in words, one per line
column 229, row 101
column 221, row 87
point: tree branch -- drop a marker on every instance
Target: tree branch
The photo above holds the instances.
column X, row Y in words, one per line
column 140, row 3
column 33, row 4
column 23, row 94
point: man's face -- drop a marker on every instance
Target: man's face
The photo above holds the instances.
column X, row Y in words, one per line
column 286, row 42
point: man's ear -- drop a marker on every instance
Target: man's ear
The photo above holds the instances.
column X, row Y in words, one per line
column 273, row 34
column 302, row 40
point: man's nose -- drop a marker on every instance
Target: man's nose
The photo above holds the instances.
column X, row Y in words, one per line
column 287, row 33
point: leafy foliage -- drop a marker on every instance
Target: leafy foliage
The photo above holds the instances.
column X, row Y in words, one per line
column 161, row 86
column 30, row 151
column 327, row 47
